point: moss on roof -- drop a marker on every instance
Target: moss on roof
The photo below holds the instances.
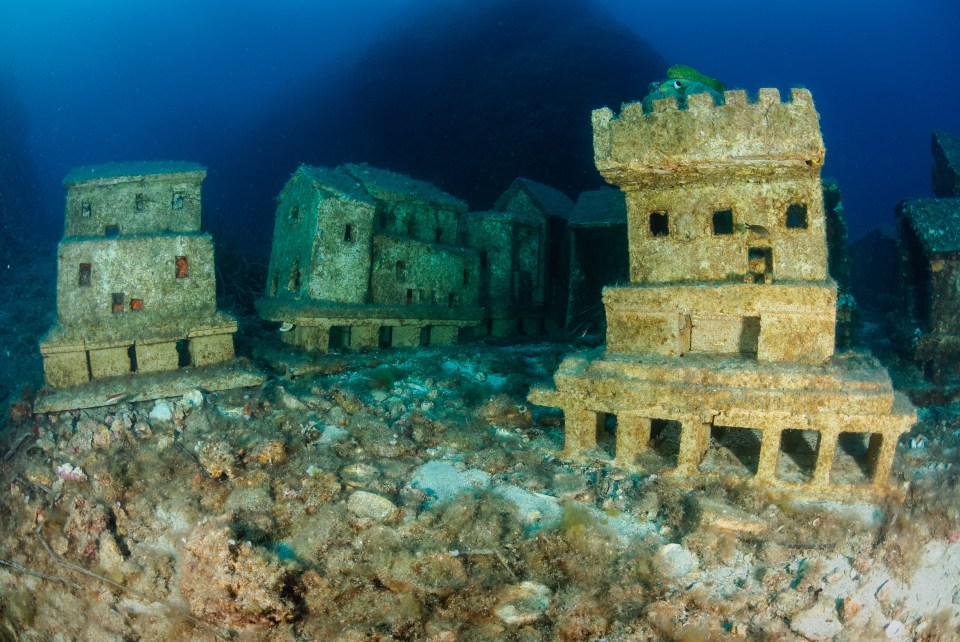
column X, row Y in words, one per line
column 500, row 215
column 605, row 207
column 935, row 221
column 550, row 200
column 87, row 173
column 392, row 186
column 334, row 181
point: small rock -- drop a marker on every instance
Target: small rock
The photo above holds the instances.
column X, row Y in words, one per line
column 819, row 622
column 359, row 474
column 193, row 398
column 162, row 411
column 68, row 472
column 523, row 603
column 370, row 506
column 675, row 562
column 289, row 401
column 894, row 629
column 849, row 609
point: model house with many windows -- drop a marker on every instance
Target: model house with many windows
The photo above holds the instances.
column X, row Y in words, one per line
column 136, row 289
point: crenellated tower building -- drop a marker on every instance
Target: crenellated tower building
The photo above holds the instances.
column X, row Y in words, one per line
column 719, row 360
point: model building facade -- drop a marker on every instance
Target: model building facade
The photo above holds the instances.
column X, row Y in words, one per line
column 929, row 239
column 723, row 340
column 364, row 257
column 136, row 289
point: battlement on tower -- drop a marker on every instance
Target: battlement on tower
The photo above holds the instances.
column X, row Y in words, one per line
column 702, row 142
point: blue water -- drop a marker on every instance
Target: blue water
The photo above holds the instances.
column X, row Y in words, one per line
column 112, row 80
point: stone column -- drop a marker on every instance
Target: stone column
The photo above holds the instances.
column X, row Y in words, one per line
column 633, row 437
column 580, row 427
column 826, row 447
column 769, row 453
column 880, row 455
column 694, row 440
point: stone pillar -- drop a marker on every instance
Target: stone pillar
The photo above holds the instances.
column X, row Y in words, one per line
column 769, row 453
column 157, row 356
column 443, row 335
column 109, row 362
column 633, row 437
column 580, row 427
column 405, row 336
column 826, row 447
column 694, row 440
column 503, row 327
column 66, row 368
column 365, row 336
column 210, row 349
column 880, row 455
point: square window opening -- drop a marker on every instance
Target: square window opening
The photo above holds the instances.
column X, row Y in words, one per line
column 659, row 224
column 136, row 305
column 401, row 269
column 439, row 235
column 797, row 216
column 733, row 452
column 84, row 274
column 295, row 212
column 116, row 302
column 138, row 202
column 425, row 336
column 183, row 353
column 723, row 222
column 798, row 454
column 182, row 267
column 409, row 299
column 132, row 355
column 663, row 448
column 759, row 264
column 451, row 300
column 348, row 233
column 86, row 209
column 176, row 202
column 111, row 231
column 854, row 460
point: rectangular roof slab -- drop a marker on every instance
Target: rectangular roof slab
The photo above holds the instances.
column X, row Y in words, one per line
column 133, row 170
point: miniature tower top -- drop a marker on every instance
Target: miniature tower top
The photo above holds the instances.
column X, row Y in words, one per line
column 127, row 199
column 719, row 192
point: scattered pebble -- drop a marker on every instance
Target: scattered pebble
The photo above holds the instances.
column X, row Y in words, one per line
column 370, row 506
column 523, row 603
column 162, row 411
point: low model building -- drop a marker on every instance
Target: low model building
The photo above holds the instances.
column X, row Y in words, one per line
column 720, row 351
column 365, row 258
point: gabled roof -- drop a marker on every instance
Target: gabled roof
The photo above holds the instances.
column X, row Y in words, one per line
column 392, row 186
column 604, row 207
column 139, row 169
column 549, row 200
column 935, row 221
column 333, row 181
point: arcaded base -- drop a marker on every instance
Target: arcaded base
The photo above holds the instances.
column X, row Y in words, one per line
column 776, row 426
column 73, row 356
column 321, row 327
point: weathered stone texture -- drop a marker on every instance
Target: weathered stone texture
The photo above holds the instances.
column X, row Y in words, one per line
column 728, row 324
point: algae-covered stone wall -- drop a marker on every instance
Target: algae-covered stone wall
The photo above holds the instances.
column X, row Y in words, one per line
column 114, row 199
column 160, row 277
column 410, row 272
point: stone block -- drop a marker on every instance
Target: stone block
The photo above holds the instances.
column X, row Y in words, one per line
column 156, row 357
column 364, row 336
column 405, row 336
column 109, row 362
column 210, row 349
column 443, row 335
column 63, row 369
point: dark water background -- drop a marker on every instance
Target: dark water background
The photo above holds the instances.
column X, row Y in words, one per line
column 464, row 93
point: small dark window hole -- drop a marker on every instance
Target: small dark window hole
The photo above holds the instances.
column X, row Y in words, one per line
column 723, row 222
column 659, row 224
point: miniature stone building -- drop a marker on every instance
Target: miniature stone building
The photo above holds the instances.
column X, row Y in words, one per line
column 513, row 269
column 598, row 253
column 365, row 258
column 930, row 250
column 719, row 361
column 946, row 165
column 136, row 290
column 525, row 196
